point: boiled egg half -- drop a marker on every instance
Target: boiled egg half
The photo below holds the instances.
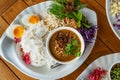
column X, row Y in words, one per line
column 15, row 31
column 30, row 20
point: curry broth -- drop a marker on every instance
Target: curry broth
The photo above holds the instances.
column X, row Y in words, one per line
column 57, row 51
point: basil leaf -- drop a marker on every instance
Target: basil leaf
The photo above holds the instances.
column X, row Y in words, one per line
column 78, row 54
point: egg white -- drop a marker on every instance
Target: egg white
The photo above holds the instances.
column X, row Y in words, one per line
column 25, row 20
column 10, row 30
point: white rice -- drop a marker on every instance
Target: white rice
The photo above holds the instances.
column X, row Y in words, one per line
column 33, row 41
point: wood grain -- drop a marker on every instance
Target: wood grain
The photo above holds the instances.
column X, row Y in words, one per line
column 10, row 14
column 99, row 50
column 5, row 73
column 18, row 73
column 107, row 35
column 33, row 2
column 92, row 4
column 5, row 4
column 101, row 2
column 3, row 26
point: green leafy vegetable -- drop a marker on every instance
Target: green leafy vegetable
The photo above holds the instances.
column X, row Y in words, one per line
column 73, row 48
column 56, row 9
column 85, row 22
column 62, row 2
column 78, row 18
column 78, row 5
column 76, row 2
column 69, row 9
column 78, row 54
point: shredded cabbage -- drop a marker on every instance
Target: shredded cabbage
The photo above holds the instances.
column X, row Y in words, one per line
column 88, row 33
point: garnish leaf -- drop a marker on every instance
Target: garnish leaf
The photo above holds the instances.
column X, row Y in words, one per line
column 72, row 47
column 78, row 16
column 78, row 54
column 68, row 48
column 86, row 25
column 74, row 42
column 56, row 9
column 79, row 24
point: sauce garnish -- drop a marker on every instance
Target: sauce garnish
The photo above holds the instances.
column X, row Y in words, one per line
column 60, row 41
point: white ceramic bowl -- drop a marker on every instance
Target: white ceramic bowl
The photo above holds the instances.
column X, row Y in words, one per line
column 116, row 62
column 111, row 20
column 65, row 28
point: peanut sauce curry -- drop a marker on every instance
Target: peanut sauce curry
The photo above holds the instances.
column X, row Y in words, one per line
column 65, row 45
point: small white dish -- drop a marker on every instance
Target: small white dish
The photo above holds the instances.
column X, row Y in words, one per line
column 72, row 30
column 111, row 20
column 116, row 62
column 105, row 62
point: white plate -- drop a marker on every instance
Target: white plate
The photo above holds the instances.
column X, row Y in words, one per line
column 8, row 51
column 104, row 62
column 111, row 20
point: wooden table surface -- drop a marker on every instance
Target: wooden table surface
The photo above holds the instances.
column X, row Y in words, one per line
column 106, row 43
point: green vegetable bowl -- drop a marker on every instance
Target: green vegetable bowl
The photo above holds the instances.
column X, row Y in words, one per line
column 72, row 47
column 114, row 71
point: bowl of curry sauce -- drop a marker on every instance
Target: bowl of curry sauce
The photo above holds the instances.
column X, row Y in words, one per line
column 65, row 45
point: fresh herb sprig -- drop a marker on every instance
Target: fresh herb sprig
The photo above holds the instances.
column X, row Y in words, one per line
column 56, row 9
column 73, row 48
column 69, row 9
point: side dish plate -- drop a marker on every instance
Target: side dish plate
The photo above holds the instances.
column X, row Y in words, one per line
column 104, row 62
column 111, row 20
column 9, row 53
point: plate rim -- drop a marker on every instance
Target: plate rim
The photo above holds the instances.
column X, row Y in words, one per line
column 108, row 18
column 96, row 60
column 4, row 35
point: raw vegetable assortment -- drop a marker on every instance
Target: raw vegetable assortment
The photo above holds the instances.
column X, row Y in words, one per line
column 69, row 10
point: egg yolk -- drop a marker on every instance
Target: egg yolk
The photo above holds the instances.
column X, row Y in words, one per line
column 18, row 31
column 33, row 19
